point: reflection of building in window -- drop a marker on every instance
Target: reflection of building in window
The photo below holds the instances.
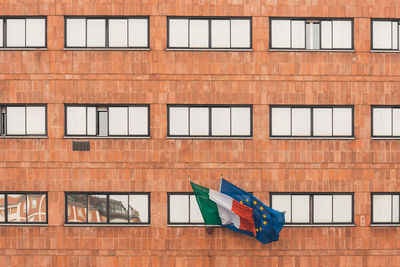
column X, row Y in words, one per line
column 83, row 208
column 23, row 208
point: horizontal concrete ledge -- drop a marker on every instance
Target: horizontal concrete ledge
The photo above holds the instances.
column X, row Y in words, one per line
column 24, row 49
column 106, row 137
column 194, row 225
column 384, row 51
column 311, row 50
column 24, row 137
column 106, row 225
column 210, row 138
column 105, row 49
column 25, row 224
column 312, row 138
column 210, row 50
column 385, row 138
column 320, row 225
column 385, row 225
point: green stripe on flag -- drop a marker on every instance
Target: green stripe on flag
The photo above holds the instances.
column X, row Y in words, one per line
column 208, row 208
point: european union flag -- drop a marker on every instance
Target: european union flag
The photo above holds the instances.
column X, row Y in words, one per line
column 268, row 222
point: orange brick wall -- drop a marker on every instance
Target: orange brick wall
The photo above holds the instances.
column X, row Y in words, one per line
column 159, row 165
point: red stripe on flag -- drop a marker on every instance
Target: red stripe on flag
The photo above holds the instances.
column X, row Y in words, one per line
column 246, row 216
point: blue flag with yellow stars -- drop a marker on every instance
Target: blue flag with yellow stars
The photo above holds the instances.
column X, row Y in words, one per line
column 268, row 222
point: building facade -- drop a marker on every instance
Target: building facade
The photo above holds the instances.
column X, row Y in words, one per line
column 108, row 106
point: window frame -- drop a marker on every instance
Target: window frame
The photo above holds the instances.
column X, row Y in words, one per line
column 106, row 47
column 3, row 123
column 372, row 122
column 391, row 194
column 108, row 194
column 210, row 136
column 4, row 45
column 305, row 19
column 209, row 19
column 66, row 135
column 372, row 20
column 311, row 136
column 169, row 223
column 311, row 207
column 26, row 193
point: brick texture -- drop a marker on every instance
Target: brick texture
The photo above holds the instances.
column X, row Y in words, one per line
column 158, row 165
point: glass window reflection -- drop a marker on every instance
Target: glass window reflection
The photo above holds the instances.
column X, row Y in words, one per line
column 2, row 208
column 16, row 208
column 77, row 206
column 36, row 207
column 118, row 208
column 138, row 208
column 97, row 212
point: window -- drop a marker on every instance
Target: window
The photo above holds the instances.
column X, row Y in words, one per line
column 23, row 120
column 23, row 207
column 314, row 208
column 183, row 209
column 311, row 34
column 385, row 208
column 107, row 208
column 107, row 121
column 385, row 121
column 385, row 34
column 209, row 121
column 311, row 121
column 106, row 32
column 209, row 33
column 23, row 32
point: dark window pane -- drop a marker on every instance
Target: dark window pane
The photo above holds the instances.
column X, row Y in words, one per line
column 118, row 208
column 2, row 209
column 36, row 208
column 97, row 212
column 16, row 208
column 76, row 207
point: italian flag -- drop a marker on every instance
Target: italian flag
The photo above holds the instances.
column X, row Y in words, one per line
column 220, row 209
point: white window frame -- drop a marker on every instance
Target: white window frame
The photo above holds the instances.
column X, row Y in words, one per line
column 311, row 207
column 389, row 136
column 310, row 20
column 3, row 44
column 107, row 45
column 210, row 134
column 311, row 135
column 3, row 120
column 210, row 47
column 104, row 108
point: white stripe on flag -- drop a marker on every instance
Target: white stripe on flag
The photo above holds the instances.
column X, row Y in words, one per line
column 224, row 204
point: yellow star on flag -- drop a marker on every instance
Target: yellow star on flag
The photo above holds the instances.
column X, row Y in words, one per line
column 247, row 200
column 255, row 202
column 261, row 208
column 257, row 230
column 264, row 216
column 241, row 202
column 265, row 222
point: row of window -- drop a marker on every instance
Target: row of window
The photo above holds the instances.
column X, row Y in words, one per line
column 121, row 32
column 197, row 121
column 134, row 208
